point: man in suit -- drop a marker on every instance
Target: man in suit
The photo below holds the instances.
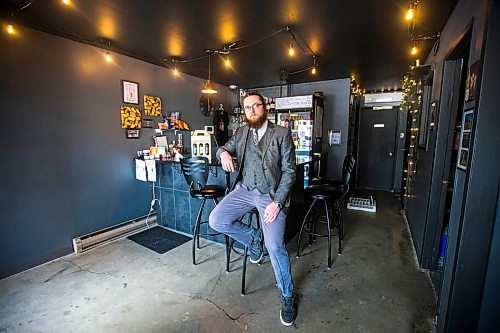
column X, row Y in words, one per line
column 266, row 172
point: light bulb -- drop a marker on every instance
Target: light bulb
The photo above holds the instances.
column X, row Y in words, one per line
column 10, row 29
column 409, row 13
column 227, row 62
column 414, row 50
column 66, row 2
column 291, row 51
column 176, row 72
column 313, row 71
column 108, row 56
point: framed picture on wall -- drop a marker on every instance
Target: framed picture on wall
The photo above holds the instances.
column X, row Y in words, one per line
column 132, row 133
column 470, row 84
column 465, row 139
column 152, row 105
column 147, row 123
column 130, row 91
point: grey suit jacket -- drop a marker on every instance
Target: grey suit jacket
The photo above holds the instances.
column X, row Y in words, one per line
column 278, row 161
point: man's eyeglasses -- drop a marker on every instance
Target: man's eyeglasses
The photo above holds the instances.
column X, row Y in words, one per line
column 253, row 106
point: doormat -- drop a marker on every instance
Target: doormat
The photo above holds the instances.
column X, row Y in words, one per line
column 159, row 239
column 367, row 205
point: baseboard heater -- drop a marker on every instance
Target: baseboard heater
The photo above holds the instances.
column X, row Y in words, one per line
column 100, row 237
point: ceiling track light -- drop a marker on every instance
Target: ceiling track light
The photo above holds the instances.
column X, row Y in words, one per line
column 106, row 42
column 315, row 66
column 10, row 27
column 174, row 60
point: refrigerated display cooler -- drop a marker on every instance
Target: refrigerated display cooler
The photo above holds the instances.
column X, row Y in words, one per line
column 304, row 116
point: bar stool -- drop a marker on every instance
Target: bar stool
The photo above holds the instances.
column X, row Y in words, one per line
column 195, row 171
column 327, row 192
column 254, row 213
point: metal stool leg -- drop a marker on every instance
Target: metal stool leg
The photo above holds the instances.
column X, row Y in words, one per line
column 243, row 274
column 196, row 230
column 229, row 244
column 340, row 226
column 329, row 236
column 302, row 228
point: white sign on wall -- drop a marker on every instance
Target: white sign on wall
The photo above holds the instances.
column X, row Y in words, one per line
column 294, row 102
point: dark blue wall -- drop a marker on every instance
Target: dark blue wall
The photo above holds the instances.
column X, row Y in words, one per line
column 66, row 168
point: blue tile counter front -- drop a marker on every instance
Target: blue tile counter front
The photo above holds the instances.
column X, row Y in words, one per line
column 178, row 210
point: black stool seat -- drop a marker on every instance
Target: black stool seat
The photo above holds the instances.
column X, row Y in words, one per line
column 209, row 192
column 326, row 181
column 323, row 192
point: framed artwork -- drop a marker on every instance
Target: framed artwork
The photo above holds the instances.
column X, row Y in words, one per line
column 130, row 117
column 470, row 84
column 465, row 139
column 147, row 123
column 132, row 133
column 152, row 105
column 130, row 91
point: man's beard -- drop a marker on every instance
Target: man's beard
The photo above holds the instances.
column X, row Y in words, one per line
column 256, row 122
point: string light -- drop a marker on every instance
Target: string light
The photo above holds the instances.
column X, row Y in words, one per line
column 410, row 13
column 108, row 57
column 227, row 62
column 414, row 49
column 291, row 51
column 66, row 2
column 176, row 72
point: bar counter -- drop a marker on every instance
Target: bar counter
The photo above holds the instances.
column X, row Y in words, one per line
column 178, row 211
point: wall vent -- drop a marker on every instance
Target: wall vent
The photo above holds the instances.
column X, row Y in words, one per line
column 104, row 236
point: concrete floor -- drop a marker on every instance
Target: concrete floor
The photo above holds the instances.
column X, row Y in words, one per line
column 374, row 286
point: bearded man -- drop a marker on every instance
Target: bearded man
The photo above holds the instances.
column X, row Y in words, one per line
column 266, row 172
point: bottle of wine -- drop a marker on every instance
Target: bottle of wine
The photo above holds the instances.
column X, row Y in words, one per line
column 268, row 105
column 195, row 149
column 273, row 105
column 200, row 149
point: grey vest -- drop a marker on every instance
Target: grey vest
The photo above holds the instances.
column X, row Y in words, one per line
column 253, row 174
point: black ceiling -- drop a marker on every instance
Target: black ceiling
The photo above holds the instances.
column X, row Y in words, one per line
column 367, row 38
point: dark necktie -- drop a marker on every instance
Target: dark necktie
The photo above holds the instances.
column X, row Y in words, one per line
column 255, row 136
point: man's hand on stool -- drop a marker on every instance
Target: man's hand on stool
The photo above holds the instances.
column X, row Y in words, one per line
column 227, row 161
column 271, row 212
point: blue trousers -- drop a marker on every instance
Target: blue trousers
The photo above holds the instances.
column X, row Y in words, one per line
column 225, row 218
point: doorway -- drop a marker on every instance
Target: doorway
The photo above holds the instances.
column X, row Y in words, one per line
column 376, row 150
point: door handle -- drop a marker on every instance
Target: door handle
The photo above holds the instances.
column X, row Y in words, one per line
column 390, row 154
column 446, row 182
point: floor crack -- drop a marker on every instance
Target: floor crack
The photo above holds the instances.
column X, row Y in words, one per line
column 89, row 271
column 233, row 318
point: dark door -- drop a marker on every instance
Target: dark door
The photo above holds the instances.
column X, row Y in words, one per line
column 377, row 140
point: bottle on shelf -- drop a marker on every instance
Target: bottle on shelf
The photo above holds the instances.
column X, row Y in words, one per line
column 207, row 149
column 195, row 149
column 292, row 124
column 200, row 149
column 273, row 106
column 268, row 105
